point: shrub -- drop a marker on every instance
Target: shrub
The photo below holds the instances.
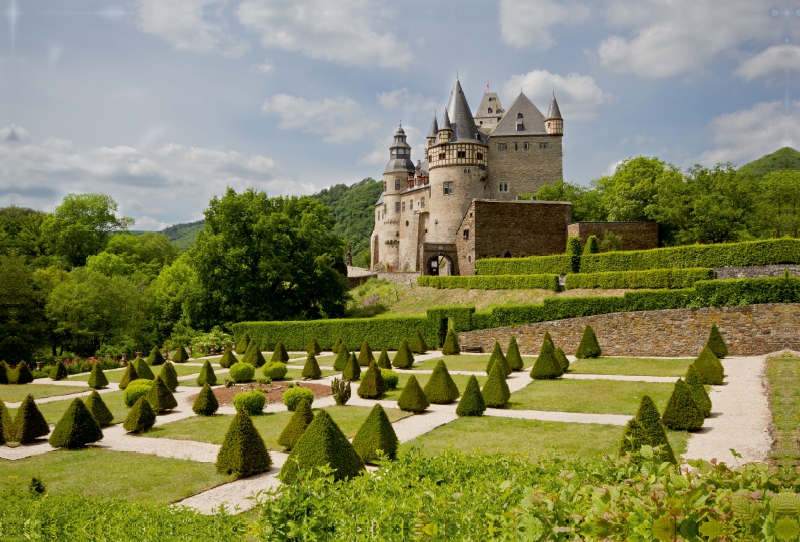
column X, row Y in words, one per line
column 58, row 372
column 418, row 345
column 534, row 265
column 588, row 347
column 169, row 376
column 280, row 353
column 97, row 378
column 383, row 360
column 365, row 356
column 23, row 374
column 372, row 384
column 513, row 357
column 206, row 375
column 412, row 398
column 76, row 428
column 29, row 423
column 160, row 398
column 342, row 357
column 228, row 358
column 337, row 345
column 391, row 378
column 180, row 355
column 254, row 356
column 451, row 346
column 311, row 368
column 403, row 359
column 140, row 418
column 155, row 358
column 251, row 402
column 681, row 413
column 242, row 343
column 562, row 360
column 698, row 391
column 206, row 403
column 592, row 246
column 352, row 371
column 492, row 282
column 313, row 347
column 549, row 339
column 709, row 368
column 633, row 438
column 546, row 366
column 243, row 452
column 440, row 389
column 248, row 352
column 574, row 251
column 242, row 372
column 4, row 373
column 293, row 396
column 142, row 369
column 275, row 370
column 340, row 389
column 495, row 390
column 134, row 390
column 376, row 433
column 98, row 408
column 497, row 355
column 715, row 342
column 7, row 431
column 650, row 420
column 128, row 376
column 653, row 279
column 471, row 403
column 322, row 443
column 297, row 425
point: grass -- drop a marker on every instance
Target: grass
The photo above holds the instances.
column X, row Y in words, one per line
column 116, row 374
column 466, row 362
column 591, row 396
column 631, row 366
column 460, row 380
column 103, row 473
column 12, row 393
column 783, row 374
column 53, row 410
column 270, row 425
column 532, row 438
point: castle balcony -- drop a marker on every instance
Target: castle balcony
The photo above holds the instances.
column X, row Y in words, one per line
column 463, row 153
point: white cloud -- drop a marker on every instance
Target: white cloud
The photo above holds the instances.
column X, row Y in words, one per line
column 338, row 121
column 770, row 62
column 578, row 96
column 190, row 25
column 750, row 133
column 148, row 223
column 265, row 68
column 14, row 134
column 403, row 100
column 527, row 24
column 350, row 32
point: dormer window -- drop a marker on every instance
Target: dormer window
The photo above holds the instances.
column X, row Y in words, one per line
column 519, row 115
column 490, row 110
column 520, row 127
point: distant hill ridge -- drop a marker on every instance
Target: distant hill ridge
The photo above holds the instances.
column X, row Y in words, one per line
column 785, row 158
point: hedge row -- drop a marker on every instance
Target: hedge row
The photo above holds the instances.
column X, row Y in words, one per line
column 492, row 282
column 534, row 265
column 652, row 279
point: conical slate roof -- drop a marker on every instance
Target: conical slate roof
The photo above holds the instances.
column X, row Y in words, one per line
column 522, row 110
column 446, row 121
column 460, row 116
column 554, row 112
column 434, row 128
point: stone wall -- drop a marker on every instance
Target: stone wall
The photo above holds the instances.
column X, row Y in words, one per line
column 634, row 235
column 756, row 271
column 399, row 278
column 749, row 330
column 526, row 171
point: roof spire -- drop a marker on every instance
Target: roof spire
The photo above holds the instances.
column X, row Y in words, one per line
column 554, row 112
column 446, row 121
column 434, row 127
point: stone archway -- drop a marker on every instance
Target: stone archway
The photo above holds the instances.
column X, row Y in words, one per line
column 439, row 259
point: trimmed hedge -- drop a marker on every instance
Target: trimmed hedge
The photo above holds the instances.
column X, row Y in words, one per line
column 365, row 356
column 243, row 452
column 440, row 389
column 588, row 347
column 698, row 390
column 58, row 372
column 715, row 342
column 681, row 413
column 242, row 343
column 142, row 369
column 651, row 279
column 279, row 353
column 6, row 425
column 242, row 372
column 274, row 370
column 492, row 282
column 140, row 418
column 412, row 398
column 4, row 372
column 418, row 344
column 29, row 423
column 155, row 358
column 372, row 384
column 298, row 423
column 99, row 409
column 135, row 390
column 403, row 358
column 180, row 355
column 76, row 428
column 160, row 398
column 23, row 374
column 251, row 402
column 513, row 356
column 206, row 403
column 97, row 378
column 390, row 378
column 293, row 396
column 376, row 433
column 533, row 265
column 311, row 368
column 128, row 376
column 352, row 370
column 471, row 403
column 451, row 346
column 495, row 391
column 708, row 368
column 342, row 357
column 206, row 375
column 656, row 434
column 497, row 355
column 228, row 359
column 169, row 376
column 383, row 360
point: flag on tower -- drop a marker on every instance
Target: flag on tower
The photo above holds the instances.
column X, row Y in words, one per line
column 487, row 86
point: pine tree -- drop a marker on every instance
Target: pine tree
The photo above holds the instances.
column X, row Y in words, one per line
column 342, row 357
column 227, row 359
column 169, row 376
column 311, row 368
column 383, row 360
column 376, row 433
column 97, row 378
column 99, row 410
column 7, row 430
column 254, row 357
column 4, row 372
column 451, row 346
column 471, row 403
column 155, row 358
column 180, row 355
column 337, row 345
column 206, row 403
column 142, row 369
column 715, row 343
column 243, row 452
column 633, row 438
column 297, row 425
column 562, row 360
column 280, row 353
column 160, row 398
column 322, row 443
column 412, row 398
column 313, row 347
column 495, row 390
column 29, row 423
column 513, row 356
column 58, row 372
column 403, row 359
column 682, row 414
column 708, row 368
column 372, row 383
column 588, row 347
column 243, row 343
column 497, row 355
column 140, row 418
column 650, row 420
column 23, row 373
column 440, row 389
column 418, row 345
column 546, row 366
column 592, row 246
column 206, row 375
column 365, row 356
column 128, row 376
column 352, row 371
column 76, row 428
column 698, row 391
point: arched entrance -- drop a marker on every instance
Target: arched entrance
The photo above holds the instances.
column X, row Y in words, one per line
column 439, row 259
column 440, row 265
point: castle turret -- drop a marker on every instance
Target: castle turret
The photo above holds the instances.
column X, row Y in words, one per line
column 446, row 129
column 433, row 133
column 554, row 123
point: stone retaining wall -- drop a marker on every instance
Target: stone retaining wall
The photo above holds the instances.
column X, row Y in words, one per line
column 756, row 271
column 749, row 330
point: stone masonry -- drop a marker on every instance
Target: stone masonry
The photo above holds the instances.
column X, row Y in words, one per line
column 634, row 235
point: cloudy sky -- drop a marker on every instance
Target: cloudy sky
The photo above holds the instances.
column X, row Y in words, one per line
column 164, row 103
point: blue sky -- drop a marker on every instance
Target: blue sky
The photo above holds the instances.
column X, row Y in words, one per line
column 164, row 103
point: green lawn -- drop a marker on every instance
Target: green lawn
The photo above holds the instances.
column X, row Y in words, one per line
column 460, row 380
column 322, row 359
column 103, row 473
column 783, row 374
column 536, row 439
column 631, row 366
column 53, row 410
column 270, row 425
column 116, row 375
column 591, row 396
column 467, row 363
column 12, row 393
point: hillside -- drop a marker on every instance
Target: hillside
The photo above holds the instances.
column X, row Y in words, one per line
column 785, row 158
column 352, row 207
column 184, row 234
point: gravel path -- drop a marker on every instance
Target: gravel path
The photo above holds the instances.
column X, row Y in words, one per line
column 551, row 416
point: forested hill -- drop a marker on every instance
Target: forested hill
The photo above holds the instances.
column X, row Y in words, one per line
column 785, row 158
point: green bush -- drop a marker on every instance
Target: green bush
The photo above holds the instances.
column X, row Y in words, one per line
column 340, row 389
column 497, row 355
column 142, row 369
column 715, row 343
column 574, row 251
column 128, row 376
column 337, row 345
column 383, row 360
column 7, row 431
column 4, row 373
column 592, row 246
column 533, row 265
column 492, row 282
column 180, row 355
column 243, row 452
column 275, row 370
column 299, row 422
column 451, row 346
column 440, row 389
column 98, row 408
column 160, row 398
column 588, row 347
column 242, row 344
column 169, row 376
column 391, row 378
column 242, row 372
column 140, row 418
column 76, row 428
column 254, row 356
column 228, row 359
column 649, row 418
column 311, row 368
column 562, row 360
column 23, row 375
column 403, row 359
column 352, row 371
column 29, row 423
column 698, row 391
column 365, row 356
column 495, row 390
column 58, row 372
column 651, row 279
column 313, row 347
column 322, row 443
column 155, row 358
column 372, row 383
column 251, row 402
column 412, row 398
column 471, row 403
column 513, row 356
column 633, row 438
column 546, row 366
column 206, row 375
column 97, row 378
column 376, row 433
column 249, row 351
column 206, row 403
column 293, row 396
column 342, row 357
column 135, row 390
column 681, row 413
column 418, row 345
column 709, row 368
column 280, row 353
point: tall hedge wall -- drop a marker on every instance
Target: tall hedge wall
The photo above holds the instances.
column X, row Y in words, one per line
column 492, row 282
column 534, row 265
column 651, row 279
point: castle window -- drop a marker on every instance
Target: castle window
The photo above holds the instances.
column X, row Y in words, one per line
column 526, row 146
column 466, row 235
column 490, row 110
column 501, row 146
column 441, row 156
column 469, row 257
column 411, row 204
column 397, row 184
column 516, row 146
column 519, row 115
column 543, row 145
column 404, row 206
column 504, row 187
column 479, row 156
column 384, row 186
column 467, row 170
column 491, row 99
column 397, row 207
column 378, row 217
column 448, row 189
column 422, row 202
column 507, row 255
column 461, row 154
column 520, row 127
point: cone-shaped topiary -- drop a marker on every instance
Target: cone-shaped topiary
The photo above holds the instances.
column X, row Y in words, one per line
column 337, row 345
column 656, row 435
column 546, row 366
column 412, row 398
column 169, row 376
column 513, row 356
column 243, row 343
column 451, row 346
column 280, row 353
column 376, row 433
column 180, row 355
column 142, row 369
column 313, row 347
column 495, row 390
column 352, row 371
column 250, row 347
column 4, row 372
column 29, row 423
column 243, row 452
column 227, row 359
column 708, row 368
column 383, row 360
column 403, row 359
column 155, row 358
column 206, row 375
column 372, row 383
column 592, row 246
column 7, row 431
column 365, row 356
column 417, row 344
column 549, row 339
column 98, row 408
column 297, row 425
column 311, row 368
column 97, row 378
column 574, row 250
column 342, row 357
column 440, row 389
column 715, row 343
column 140, row 418
column 471, row 403
column 682, row 414
column 58, row 372
column 128, row 376
column 254, row 356
column 206, row 403
column 698, row 391
column 588, row 347
column 562, row 360
column 160, row 398
column 633, row 438
column 23, row 374
column 76, row 428
column 497, row 355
